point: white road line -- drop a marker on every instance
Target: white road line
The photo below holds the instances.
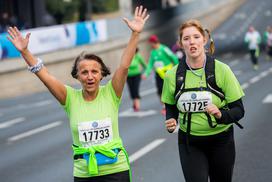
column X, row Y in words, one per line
column 42, row 103
column 34, row 131
column 147, row 92
column 245, row 85
column 139, row 114
column 254, row 79
column 9, row 123
column 264, row 74
column 267, row 99
column 28, row 105
column 233, row 63
column 149, row 147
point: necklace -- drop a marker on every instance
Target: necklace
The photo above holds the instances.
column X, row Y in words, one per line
column 197, row 74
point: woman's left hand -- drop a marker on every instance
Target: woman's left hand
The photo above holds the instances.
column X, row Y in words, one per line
column 140, row 17
column 213, row 110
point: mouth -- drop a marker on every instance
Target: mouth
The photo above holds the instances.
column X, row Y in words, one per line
column 89, row 84
column 193, row 49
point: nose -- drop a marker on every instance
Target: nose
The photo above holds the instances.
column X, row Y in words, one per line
column 192, row 41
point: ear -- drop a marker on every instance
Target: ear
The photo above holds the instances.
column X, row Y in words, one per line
column 205, row 40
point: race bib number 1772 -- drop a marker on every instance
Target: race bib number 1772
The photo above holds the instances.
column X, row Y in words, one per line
column 194, row 101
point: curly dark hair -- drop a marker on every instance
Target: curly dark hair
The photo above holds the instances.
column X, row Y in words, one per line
column 105, row 70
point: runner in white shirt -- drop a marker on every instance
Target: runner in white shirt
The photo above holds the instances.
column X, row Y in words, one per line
column 253, row 39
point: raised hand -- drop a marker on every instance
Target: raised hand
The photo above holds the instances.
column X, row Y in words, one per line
column 140, row 17
column 17, row 39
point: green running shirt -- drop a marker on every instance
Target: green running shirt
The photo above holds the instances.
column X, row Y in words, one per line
column 136, row 65
column 105, row 105
column 162, row 56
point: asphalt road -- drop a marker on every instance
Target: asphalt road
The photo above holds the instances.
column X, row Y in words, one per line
column 36, row 142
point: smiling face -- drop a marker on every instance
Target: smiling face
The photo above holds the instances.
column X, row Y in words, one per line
column 89, row 74
column 193, row 42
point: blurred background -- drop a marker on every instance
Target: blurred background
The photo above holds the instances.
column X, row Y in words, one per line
column 35, row 137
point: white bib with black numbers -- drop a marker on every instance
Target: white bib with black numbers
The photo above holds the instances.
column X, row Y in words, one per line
column 194, row 101
column 95, row 132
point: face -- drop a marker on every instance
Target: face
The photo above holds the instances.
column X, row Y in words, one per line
column 251, row 29
column 89, row 75
column 193, row 42
column 154, row 45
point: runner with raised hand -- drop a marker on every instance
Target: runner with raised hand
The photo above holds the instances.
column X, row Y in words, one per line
column 99, row 154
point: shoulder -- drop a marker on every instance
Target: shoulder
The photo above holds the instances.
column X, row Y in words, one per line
column 219, row 65
column 171, row 74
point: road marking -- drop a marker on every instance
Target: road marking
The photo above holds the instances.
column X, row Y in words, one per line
column 264, row 74
column 267, row 99
column 254, row 79
column 27, row 106
column 139, row 114
column 233, row 63
column 149, row 147
column 238, row 72
column 245, row 85
column 9, row 123
column 147, row 92
column 42, row 103
column 34, row 131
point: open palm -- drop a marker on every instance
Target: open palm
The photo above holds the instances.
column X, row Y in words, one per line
column 17, row 39
column 140, row 17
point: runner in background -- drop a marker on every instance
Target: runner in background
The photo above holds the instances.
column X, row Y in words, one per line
column 135, row 70
column 269, row 43
column 253, row 41
column 161, row 60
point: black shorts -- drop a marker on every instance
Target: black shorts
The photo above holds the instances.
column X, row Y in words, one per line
column 133, row 86
column 116, row 177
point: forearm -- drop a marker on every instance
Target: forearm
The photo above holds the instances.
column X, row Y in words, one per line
column 234, row 114
column 171, row 111
column 130, row 50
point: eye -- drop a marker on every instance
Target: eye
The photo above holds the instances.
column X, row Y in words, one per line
column 185, row 38
column 197, row 36
column 84, row 72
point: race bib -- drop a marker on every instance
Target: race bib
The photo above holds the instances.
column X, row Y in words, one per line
column 158, row 64
column 95, row 132
column 194, row 101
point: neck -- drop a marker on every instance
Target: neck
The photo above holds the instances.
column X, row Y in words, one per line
column 196, row 62
column 90, row 96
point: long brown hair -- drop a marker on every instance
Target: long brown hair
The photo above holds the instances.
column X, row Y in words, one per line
column 199, row 27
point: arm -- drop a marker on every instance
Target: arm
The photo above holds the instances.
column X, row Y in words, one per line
column 171, row 117
column 54, row 86
column 136, row 25
column 233, row 115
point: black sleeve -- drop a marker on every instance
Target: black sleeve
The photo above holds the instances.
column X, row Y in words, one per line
column 171, row 111
column 233, row 114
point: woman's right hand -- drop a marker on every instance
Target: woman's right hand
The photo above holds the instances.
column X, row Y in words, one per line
column 17, row 39
column 171, row 125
